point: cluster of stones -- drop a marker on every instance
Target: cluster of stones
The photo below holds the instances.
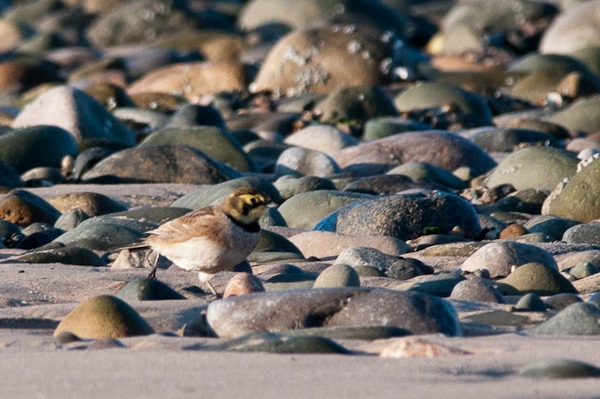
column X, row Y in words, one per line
column 418, row 166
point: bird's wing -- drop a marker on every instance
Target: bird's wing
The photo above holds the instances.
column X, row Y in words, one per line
column 201, row 222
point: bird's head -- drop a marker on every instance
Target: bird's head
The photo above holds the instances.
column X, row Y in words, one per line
column 246, row 205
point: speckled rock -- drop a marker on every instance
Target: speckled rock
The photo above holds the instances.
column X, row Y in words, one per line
column 290, row 13
column 476, row 289
column 81, row 115
column 324, row 244
column 70, row 219
column 24, row 208
column 192, row 80
column 534, row 167
column 577, row 200
column 432, row 212
column 499, row 257
column 28, row 148
column 104, row 317
column 577, row 319
column 435, row 94
column 535, row 278
column 321, row 59
column 93, row 204
column 161, row 164
column 337, row 275
column 299, row 161
column 323, row 138
column 446, row 150
column 392, row 266
column 215, row 142
column 276, row 311
column 138, row 22
column 588, row 233
column 305, row 210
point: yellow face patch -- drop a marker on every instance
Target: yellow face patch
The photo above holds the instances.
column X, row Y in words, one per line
column 247, row 208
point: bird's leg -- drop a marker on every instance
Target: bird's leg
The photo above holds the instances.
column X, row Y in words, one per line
column 152, row 274
column 213, row 289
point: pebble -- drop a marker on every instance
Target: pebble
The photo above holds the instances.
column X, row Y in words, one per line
column 499, row 257
column 535, row 278
column 577, row 319
column 337, row 275
column 103, row 316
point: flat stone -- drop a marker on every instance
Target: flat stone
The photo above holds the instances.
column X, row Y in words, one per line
column 283, row 310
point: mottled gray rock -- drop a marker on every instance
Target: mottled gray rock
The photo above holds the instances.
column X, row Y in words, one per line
column 81, row 115
column 577, row 200
column 213, row 141
column 103, row 233
column 579, row 116
column 139, row 22
column 499, row 257
column 324, row 244
column 422, row 171
column 305, row 210
column 588, row 233
column 161, row 164
column 577, row 319
column 476, row 289
column 323, row 138
column 217, row 192
column 552, row 226
column 583, row 270
column 321, row 59
column 289, row 186
column 506, row 139
column 385, row 126
column 439, row 284
column 431, row 212
column 297, row 161
column 388, row 265
column 534, row 167
column 68, row 256
column 443, row 149
column 277, row 311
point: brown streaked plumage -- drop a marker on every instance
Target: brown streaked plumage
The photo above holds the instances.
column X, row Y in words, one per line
column 212, row 239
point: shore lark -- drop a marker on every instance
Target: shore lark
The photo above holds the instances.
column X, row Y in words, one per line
column 211, row 239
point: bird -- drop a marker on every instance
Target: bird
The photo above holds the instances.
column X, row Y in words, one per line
column 211, row 239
